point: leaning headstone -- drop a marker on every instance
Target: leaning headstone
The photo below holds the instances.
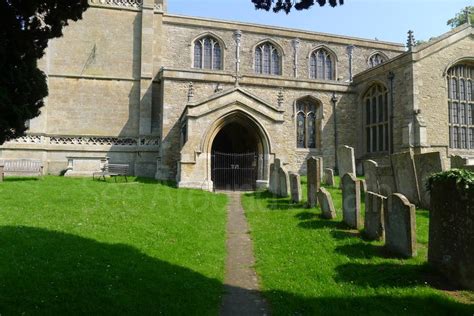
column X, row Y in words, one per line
column 313, row 180
column 426, row 165
column 326, row 204
column 351, row 201
column 328, row 178
column 346, row 160
column 274, row 179
column 370, row 173
column 283, row 183
column 451, row 232
column 386, row 180
column 374, row 216
column 400, row 226
column 405, row 176
column 295, row 187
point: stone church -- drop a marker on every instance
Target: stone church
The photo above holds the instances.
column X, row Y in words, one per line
column 212, row 103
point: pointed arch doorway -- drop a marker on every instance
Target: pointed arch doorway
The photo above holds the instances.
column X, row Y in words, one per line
column 238, row 154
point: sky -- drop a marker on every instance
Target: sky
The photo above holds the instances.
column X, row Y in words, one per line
column 386, row 20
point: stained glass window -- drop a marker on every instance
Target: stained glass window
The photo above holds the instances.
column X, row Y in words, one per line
column 321, row 65
column 460, row 106
column 307, row 123
column 207, row 53
column 267, row 59
column 376, row 123
column 376, row 59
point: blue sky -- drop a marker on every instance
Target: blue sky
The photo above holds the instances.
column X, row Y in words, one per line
column 387, row 20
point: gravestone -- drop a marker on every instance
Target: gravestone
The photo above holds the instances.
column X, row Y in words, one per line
column 351, row 201
column 283, row 182
column 370, row 173
column 458, row 162
column 326, row 204
column 451, row 232
column 1, row 172
column 374, row 216
column 405, row 176
column 313, row 179
column 346, row 160
column 386, row 180
column 328, row 177
column 295, row 187
column 321, row 169
column 425, row 166
column 274, row 180
column 400, row 226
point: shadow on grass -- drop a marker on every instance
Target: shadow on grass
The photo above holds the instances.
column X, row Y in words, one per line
column 48, row 272
column 21, row 179
column 304, row 216
column 383, row 275
column 339, row 234
column 320, row 224
column 363, row 251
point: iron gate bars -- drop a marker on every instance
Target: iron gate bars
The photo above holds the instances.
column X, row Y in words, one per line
column 234, row 171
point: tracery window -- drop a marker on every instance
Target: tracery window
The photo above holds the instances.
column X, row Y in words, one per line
column 307, row 123
column 461, row 106
column 376, row 119
column 322, row 65
column 207, row 53
column 376, row 59
column 267, row 59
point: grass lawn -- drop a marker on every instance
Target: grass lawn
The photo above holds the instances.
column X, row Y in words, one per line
column 312, row 266
column 77, row 246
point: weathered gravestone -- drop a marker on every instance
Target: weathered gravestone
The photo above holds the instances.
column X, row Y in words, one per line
column 458, row 162
column 274, row 180
column 326, row 204
column 400, row 226
column 405, row 176
column 1, row 172
column 426, row 165
column 370, row 173
column 351, row 201
column 313, row 179
column 328, row 177
column 386, row 180
column 374, row 216
column 283, row 182
column 295, row 187
column 346, row 160
column 451, row 232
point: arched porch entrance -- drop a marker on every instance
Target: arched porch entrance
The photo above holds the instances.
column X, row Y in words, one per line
column 239, row 151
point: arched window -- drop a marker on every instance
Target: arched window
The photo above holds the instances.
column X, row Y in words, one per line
column 376, row 119
column 307, row 122
column 461, row 106
column 207, row 53
column 267, row 59
column 322, row 65
column 376, row 59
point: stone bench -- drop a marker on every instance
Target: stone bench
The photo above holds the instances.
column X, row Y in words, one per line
column 20, row 167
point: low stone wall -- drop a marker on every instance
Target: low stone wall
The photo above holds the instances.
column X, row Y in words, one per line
column 451, row 237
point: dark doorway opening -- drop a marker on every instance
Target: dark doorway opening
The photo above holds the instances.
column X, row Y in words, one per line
column 234, row 158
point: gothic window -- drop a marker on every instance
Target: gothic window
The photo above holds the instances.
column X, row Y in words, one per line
column 307, row 122
column 376, row 59
column 376, row 119
column 461, row 106
column 322, row 65
column 207, row 53
column 267, row 59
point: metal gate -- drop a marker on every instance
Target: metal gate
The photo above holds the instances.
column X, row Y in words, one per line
column 236, row 172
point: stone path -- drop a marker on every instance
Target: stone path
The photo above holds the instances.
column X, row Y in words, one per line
column 242, row 295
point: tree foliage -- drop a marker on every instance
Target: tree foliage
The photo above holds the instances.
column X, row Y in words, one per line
column 287, row 5
column 25, row 28
column 461, row 17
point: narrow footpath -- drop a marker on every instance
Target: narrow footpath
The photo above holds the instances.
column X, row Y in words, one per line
column 242, row 295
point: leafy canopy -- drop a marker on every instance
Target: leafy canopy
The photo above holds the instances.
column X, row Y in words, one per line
column 287, row 5
column 461, row 17
column 25, row 28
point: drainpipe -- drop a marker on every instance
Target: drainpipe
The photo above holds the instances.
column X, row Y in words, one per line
column 350, row 52
column 390, row 77
column 336, row 141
